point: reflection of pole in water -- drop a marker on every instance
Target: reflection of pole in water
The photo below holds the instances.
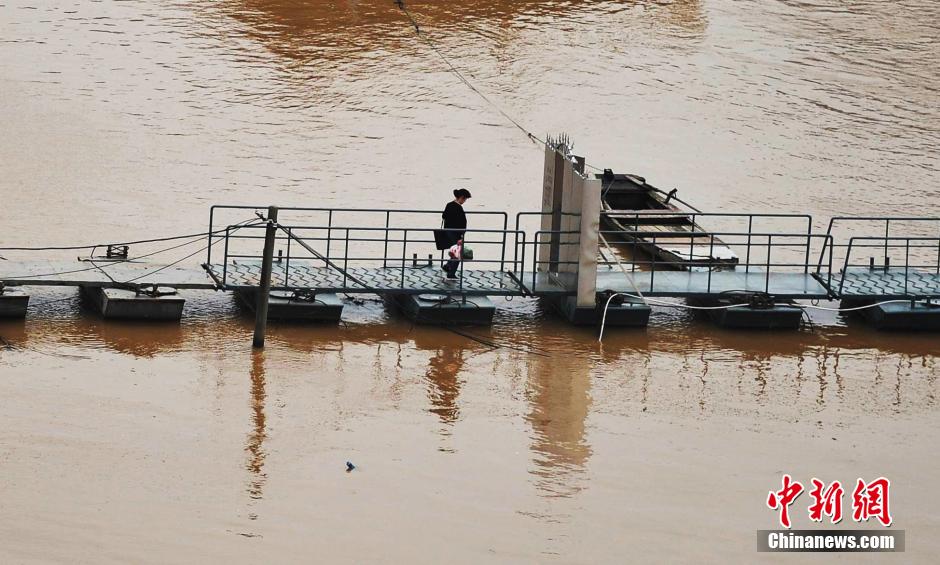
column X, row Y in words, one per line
column 703, row 379
column 897, row 383
column 256, row 436
column 927, row 362
column 822, row 374
column 444, row 383
column 559, row 398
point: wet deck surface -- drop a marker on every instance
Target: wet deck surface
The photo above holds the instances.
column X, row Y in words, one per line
column 410, row 280
column 891, row 283
column 687, row 283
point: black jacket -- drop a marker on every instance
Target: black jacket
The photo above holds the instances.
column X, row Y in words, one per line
column 454, row 218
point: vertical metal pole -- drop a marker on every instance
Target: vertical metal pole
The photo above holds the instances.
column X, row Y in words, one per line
column 228, row 231
column 653, row 265
column 346, row 259
column 264, row 288
column 634, row 257
column 404, row 250
column 502, row 255
column 887, row 232
column 209, row 254
column 388, row 216
column 521, row 266
column 750, row 230
column 460, row 283
column 767, row 276
column 287, row 266
column 329, row 234
column 809, row 241
column 535, row 259
column 907, row 261
column 711, row 254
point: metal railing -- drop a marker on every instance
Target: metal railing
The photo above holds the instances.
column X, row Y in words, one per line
column 343, row 248
column 765, row 254
column 878, row 226
column 363, row 216
column 629, row 224
column 649, row 241
column 916, row 256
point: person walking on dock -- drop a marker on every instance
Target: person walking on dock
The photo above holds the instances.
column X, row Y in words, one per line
column 455, row 220
column 454, row 216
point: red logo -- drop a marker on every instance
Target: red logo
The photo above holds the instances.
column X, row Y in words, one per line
column 783, row 498
column 869, row 500
column 826, row 501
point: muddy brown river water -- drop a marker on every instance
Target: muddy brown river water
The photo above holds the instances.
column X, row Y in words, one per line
column 156, row 444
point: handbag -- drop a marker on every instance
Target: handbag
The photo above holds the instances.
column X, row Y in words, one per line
column 442, row 239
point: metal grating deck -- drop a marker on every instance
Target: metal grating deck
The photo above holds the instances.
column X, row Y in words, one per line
column 411, row 280
column 891, row 283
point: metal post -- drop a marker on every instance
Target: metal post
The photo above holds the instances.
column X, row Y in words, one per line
column 228, row 232
column 287, row 266
column 907, row 261
column 404, row 251
column 767, row 275
column 750, row 230
column 209, row 254
column 653, row 265
column 887, row 233
column 264, row 288
column 502, row 256
column 711, row 255
column 388, row 217
column 346, row 258
column 809, row 242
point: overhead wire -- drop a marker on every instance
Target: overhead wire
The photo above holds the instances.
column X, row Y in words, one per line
column 433, row 45
column 237, row 226
column 93, row 246
column 95, row 266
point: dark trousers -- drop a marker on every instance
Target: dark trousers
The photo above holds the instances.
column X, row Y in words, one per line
column 450, row 267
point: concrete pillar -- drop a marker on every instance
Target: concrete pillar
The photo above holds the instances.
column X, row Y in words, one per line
column 551, row 207
column 588, row 244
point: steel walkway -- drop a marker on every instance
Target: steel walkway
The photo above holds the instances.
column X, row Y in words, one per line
column 392, row 252
column 376, row 280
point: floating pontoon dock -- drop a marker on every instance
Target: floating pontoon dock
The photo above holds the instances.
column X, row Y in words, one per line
column 301, row 258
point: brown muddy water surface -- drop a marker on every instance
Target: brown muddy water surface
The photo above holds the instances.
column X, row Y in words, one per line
column 142, row 443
